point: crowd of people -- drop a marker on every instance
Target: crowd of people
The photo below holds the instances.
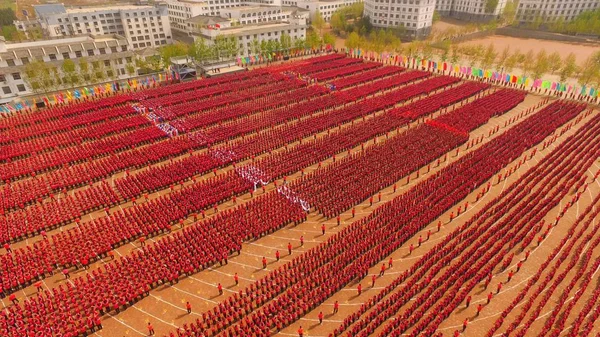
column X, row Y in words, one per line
column 242, row 130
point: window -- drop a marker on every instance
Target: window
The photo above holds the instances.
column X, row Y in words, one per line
column 113, row 49
column 107, row 63
column 102, row 50
column 65, row 56
column 52, row 57
column 25, row 60
column 16, row 76
column 2, row 78
column 78, row 53
column 6, row 90
column 21, row 87
column 90, row 52
column 124, row 48
column 11, row 63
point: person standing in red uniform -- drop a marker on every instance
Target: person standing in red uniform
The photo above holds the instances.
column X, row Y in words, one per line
column 220, row 289
column 300, row 332
column 188, row 306
column 382, row 272
column 320, row 317
column 150, row 329
column 264, row 262
column 289, row 248
column 277, row 255
column 359, row 288
column 323, row 229
column 301, row 240
column 479, row 308
column 236, row 279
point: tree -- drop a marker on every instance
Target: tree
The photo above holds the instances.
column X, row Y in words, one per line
column 426, row 50
column 7, row 16
column 286, row 42
column 569, row 67
column 513, row 60
column 202, row 52
column 329, row 39
column 172, row 50
column 318, row 22
column 489, row 56
column 338, row 22
column 490, row 6
column 436, row 16
column 69, row 71
column 527, row 63
column 541, row 65
column 299, row 43
column 454, row 54
column 554, row 62
column 353, row 41
column 313, row 40
column 38, row 76
column 502, row 59
column 590, row 70
column 255, row 47
column 508, row 14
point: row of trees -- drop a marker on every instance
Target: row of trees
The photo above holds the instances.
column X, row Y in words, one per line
column 44, row 77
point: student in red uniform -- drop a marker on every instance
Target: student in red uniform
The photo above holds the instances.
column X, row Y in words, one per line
column 301, row 240
column 359, row 288
column 320, row 317
column 236, row 279
column 382, row 272
column 489, row 297
column 323, row 229
column 499, row 288
column 150, row 329
column 479, row 308
column 300, row 332
column 336, row 307
column 465, row 324
column 188, row 306
column 220, row 288
column 391, row 262
column 468, row 302
column 277, row 255
column 373, row 279
column 289, row 248
column 264, row 262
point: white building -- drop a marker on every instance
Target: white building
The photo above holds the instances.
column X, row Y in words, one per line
column 325, row 7
column 414, row 15
column 469, row 10
column 553, row 10
column 109, row 54
column 142, row 26
column 261, row 23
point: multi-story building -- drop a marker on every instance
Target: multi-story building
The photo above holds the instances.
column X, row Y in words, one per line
column 414, row 15
column 325, row 7
column 110, row 55
column 552, row 10
column 260, row 23
column 469, row 10
column 143, row 26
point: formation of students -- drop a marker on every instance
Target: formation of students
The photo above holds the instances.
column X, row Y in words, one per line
column 124, row 281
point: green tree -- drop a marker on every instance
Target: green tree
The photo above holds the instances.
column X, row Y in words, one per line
column 7, row 16
column 502, row 58
column 541, row 65
column 172, row 50
column 299, row 43
column 69, row 72
column 554, row 62
column 490, row 6
column 286, row 42
column 338, row 22
column 38, row 76
column 353, row 41
column 313, row 40
column 509, row 12
column 513, row 60
column 436, row 17
column 203, row 52
column 329, row 39
column 569, row 67
column 589, row 73
column 489, row 56
column 454, row 54
column 318, row 22
column 527, row 63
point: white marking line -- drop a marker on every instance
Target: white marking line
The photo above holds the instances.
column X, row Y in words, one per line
column 127, row 325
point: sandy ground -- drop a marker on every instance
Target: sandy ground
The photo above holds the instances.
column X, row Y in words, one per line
column 165, row 307
column 581, row 51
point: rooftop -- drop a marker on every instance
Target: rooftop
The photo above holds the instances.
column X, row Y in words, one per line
column 206, row 19
column 56, row 42
column 85, row 9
